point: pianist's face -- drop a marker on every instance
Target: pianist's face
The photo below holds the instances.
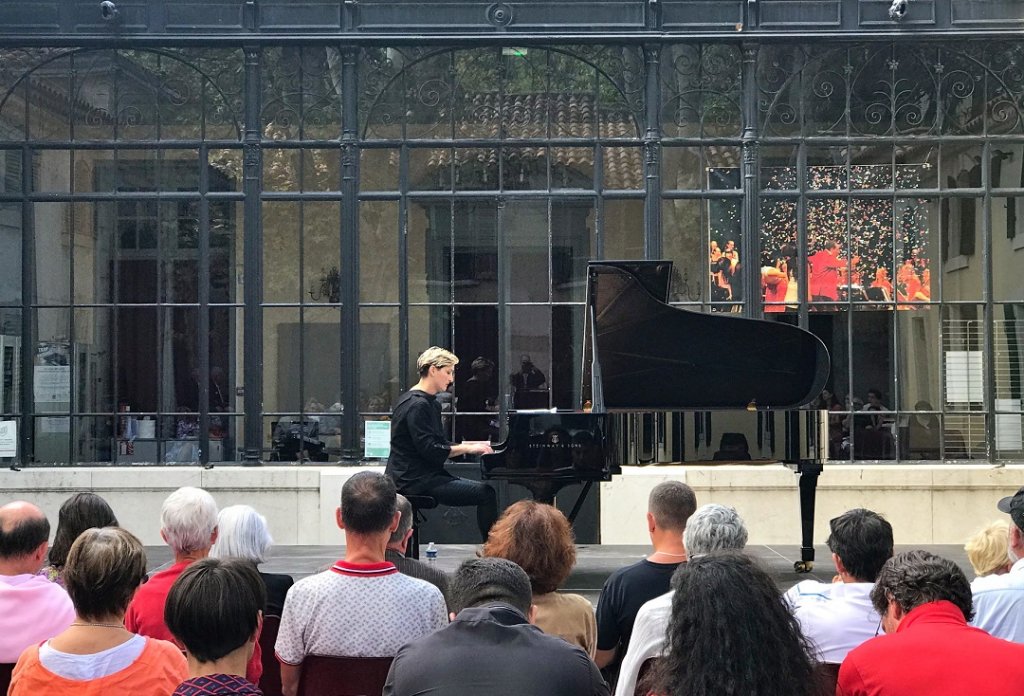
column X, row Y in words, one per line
column 442, row 377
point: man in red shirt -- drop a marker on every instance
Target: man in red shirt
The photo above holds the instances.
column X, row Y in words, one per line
column 823, row 275
column 188, row 524
column 925, row 602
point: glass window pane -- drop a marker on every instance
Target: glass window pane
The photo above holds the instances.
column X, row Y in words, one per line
column 525, row 233
column 573, row 244
column 282, row 237
column 682, row 168
column 52, row 252
column 475, row 252
column 378, row 359
column 10, row 253
column 1007, row 243
column 622, row 230
column 780, row 272
column 623, row 168
column 573, row 168
column 282, row 378
column 567, row 356
column 430, row 169
column 226, row 252
column 321, row 358
column 378, row 169
column 529, row 357
column 321, row 251
column 726, row 254
column 919, row 355
column 478, row 387
column 378, row 251
column 960, row 239
column 428, row 245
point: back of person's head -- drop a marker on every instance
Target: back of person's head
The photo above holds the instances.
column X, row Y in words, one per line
column 242, row 533
column 913, row 578
column 731, row 634
column 104, row 568
column 214, row 607
column 538, row 538
column 81, row 511
column 435, row 357
column 671, row 503
column 404, row 522
column 863, row 541
column 188, row 520
column 987, row 550
column 368, row 503
column 23, row 529
column 714, row 527
column 482, row 581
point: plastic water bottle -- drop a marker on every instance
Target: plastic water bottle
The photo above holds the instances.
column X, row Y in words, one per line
column 431, row 552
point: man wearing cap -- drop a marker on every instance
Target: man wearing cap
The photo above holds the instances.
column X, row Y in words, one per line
column 999, row 599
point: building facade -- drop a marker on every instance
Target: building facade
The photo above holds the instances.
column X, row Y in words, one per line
column 228, row 228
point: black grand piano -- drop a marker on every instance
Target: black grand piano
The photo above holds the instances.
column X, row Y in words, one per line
column 655, row 377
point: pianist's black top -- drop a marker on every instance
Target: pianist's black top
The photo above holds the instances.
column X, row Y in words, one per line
column 419, row 447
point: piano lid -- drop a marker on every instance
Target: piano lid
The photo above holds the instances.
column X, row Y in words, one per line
column 653, row 356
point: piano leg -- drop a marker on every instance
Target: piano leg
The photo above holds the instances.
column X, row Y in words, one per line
column 808, row 470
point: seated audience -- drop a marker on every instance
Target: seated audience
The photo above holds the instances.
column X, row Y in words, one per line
column 711, row 528
column 731, row 634
column 188, row 524
column 925, row 604
column 214, row 610
column 838, row 616
column 987, row 550
column 96, row 655
column 668, row 508
column 79, row 512
column 999, row 599
column 362, row 606
column 32, row 608
column 242, row 533
column 538, row 538
column 491, row 648
column 399, row 543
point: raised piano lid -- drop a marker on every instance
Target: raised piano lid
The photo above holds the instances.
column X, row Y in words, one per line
column 653, row 356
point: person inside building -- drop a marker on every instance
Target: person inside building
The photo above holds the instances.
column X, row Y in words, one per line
column 214, row 610
column 81, row 511
column 730, row 634
column 32, row 608
column 420, row 449
column 96, row 655
column 491, row 648
column 538, row 538
column 669, row 506
column 242, row 532
column 362, row 606
column 711, row 528
column 928, row 648
column 838, row 616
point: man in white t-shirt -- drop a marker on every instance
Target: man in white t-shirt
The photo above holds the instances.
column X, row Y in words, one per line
column 838, row 616
column 712, row 527
column 362, row 606
column 999, row 599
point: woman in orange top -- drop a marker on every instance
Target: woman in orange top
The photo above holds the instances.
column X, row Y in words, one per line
column 96, row 655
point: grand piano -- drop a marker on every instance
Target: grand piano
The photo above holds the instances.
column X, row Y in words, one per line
column 655, row 379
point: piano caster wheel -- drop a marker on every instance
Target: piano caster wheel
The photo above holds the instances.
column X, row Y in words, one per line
column 803, row 566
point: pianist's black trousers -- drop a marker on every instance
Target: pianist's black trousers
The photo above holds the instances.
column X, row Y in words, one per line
column 461, row 492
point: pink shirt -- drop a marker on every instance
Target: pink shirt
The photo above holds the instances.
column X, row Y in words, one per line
column 32, row 609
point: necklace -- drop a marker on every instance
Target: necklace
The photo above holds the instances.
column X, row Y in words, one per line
column 666, row 553
column 97, row 625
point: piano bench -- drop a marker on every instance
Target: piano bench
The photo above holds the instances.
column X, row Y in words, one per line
column 419, row 503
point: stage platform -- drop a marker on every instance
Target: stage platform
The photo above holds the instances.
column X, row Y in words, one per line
column 594, row 563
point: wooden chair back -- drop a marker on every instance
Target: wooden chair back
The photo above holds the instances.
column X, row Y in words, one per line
column 343, row 676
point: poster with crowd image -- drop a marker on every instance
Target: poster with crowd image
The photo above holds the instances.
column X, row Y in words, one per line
column 861, row 250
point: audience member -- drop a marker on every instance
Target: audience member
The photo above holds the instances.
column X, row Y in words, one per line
column 81, row 511
column 538, row 538
column 398, row 544
column 999, row 599
column 731, row 634
column 32, row 608
column 669, row 506
column 711, row 528
column 188, row 524
column 838, row 616
column 214, row 609
column 988, row 550
column 96, row 655
column 242, row 533
column 491, row 648
column 925, row 603
column 362, row 606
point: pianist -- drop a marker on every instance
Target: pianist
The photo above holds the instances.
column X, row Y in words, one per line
column 419, row 447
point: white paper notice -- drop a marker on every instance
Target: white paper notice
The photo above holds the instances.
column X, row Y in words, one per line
column 52, row 384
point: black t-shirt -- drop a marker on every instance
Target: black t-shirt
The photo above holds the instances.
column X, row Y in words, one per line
column 625, row 591
column 419, row 446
